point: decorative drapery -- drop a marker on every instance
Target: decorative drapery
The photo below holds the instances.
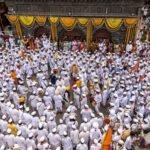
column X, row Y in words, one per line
column 132, row 33
column 18, row 29
column 113, row 24
column 97, row 22
column 12, row 19
column 41, row 20
column 68, row 22
column 27, row 21
column 54, row 32
column 15, row 21
column 127, row 35
column 89, row 33
column 130, row 23
column 83, row 21
column 53, row 19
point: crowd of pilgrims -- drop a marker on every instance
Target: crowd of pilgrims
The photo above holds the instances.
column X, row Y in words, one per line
column 102, row 98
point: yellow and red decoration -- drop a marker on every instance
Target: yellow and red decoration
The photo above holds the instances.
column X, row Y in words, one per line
column 68, row 23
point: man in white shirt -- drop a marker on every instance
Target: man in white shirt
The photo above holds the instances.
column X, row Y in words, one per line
column 129, row 142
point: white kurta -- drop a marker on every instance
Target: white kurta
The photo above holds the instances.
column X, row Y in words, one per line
column 67, row 143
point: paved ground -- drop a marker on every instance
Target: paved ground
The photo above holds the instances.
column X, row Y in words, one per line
column 102, row 109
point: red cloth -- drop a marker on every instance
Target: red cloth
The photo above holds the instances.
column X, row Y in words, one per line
column 31, row 44
column 91, row 99
column 81, row 47
column 73, row 83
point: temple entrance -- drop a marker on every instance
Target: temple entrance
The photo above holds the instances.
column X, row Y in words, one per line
column 102, row 34
column 71, row 35
column 39, row 31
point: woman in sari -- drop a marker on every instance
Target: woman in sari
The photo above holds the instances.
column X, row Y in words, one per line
column 74, row 45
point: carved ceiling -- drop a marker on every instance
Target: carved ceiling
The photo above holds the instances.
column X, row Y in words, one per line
column 89, row 8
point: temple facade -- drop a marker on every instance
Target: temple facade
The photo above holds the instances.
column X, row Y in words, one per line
column 78, row 9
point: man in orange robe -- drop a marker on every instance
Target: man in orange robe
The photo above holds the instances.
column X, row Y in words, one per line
column 14, row 76
column 107, row 138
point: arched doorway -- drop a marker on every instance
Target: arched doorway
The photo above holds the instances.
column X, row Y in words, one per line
column 102, row 34
column 77, row 34
column 39, row 31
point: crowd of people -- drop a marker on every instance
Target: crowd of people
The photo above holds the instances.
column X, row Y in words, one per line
column 72, row 99
column 145, row 23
